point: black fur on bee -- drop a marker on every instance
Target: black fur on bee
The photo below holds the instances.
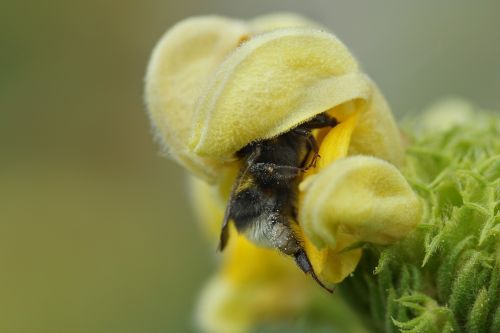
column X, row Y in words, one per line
column 262, row 204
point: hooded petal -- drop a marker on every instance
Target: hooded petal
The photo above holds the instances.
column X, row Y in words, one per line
column 376, row 132
column 181, row 63
column 271, row 84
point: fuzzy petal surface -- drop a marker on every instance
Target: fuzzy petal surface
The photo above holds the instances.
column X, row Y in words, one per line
column 271, row 84
column 182, row 62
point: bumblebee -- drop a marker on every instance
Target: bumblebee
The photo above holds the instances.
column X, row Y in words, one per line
column 263, row 199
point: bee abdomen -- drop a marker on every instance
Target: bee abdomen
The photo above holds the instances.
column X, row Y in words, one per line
column 247, row 206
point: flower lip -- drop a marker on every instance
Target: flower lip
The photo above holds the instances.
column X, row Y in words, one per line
column 329, row 230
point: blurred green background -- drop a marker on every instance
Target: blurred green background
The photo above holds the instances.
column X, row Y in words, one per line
column 96, row 233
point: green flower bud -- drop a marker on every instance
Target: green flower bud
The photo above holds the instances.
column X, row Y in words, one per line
column 445, row 276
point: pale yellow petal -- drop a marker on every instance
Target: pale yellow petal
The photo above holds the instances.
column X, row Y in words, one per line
column 208, row 207
column 376, row 133
column 220, row 309
column 210, row 200
column 271, row 84
column 361, row 196
column 181, row 63
column 254, row 285
column 224, row 307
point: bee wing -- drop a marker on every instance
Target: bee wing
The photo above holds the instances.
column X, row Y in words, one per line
column 224, row 233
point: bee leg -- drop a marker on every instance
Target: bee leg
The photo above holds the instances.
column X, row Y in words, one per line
column 319, row 121
column 313, row 145
column 305, row 265
column 254, row 155
column 271, row 173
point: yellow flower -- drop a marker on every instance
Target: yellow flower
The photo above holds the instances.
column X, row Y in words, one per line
column 182, row 61
column 181, row 64
column 213, row 86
